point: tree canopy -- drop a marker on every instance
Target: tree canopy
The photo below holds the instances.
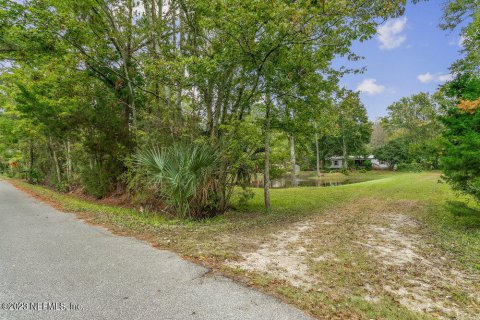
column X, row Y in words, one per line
column 93, row 82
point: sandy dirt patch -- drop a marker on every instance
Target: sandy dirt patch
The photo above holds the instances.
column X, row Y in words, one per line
column 372, row 249
column 284, row 255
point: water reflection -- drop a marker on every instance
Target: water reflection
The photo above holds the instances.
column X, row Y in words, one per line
column 288, row 183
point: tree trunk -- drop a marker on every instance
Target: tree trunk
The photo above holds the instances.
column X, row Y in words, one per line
column 31, row 160
column 125, row 53
column 57, row 166
column 292, row 159
column 178, row 32
column 266, row 173
column 55, row 160
column 69, row 162
column 345, row 154
column 317, row 149
column 344, row 149
column 155, row 16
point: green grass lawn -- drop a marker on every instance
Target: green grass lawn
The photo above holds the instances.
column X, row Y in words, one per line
column 308, row 200
column 454, row 219
column 450, row 225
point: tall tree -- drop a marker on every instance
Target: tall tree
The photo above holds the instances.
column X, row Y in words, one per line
column 133, row 73
column 461, row 161
column 354, row 127
column 414, row 118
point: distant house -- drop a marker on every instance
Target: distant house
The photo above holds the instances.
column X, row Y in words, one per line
column 336, row 162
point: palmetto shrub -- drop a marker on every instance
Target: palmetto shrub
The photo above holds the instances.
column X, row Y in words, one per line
column 187, row 177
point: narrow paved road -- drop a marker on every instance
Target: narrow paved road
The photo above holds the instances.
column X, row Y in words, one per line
column 50, row 260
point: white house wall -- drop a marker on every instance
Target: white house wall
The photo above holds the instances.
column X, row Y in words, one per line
column 339, row 164
column 376, row 164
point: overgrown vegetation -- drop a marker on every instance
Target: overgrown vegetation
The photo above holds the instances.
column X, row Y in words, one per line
column 86, row 85
column 462, row 153
column 187, row 178
column 411, row 133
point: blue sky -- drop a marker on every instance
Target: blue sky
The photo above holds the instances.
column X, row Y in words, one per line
column 410, row 54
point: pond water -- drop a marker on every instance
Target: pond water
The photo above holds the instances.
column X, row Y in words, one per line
column 287, row 182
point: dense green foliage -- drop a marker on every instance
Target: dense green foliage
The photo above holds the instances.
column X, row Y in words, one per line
column 344, row 129
column 461, row 161
column 412, row 129
column 87, row 84
column 187, row 177
column 393, row 153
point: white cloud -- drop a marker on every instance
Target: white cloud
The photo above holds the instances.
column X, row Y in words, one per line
column 425, row 77
column 444, row 77
column 369, row 86
column 390, row 35
column 437, row 77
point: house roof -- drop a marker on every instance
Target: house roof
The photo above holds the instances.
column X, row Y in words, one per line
column 352, row 157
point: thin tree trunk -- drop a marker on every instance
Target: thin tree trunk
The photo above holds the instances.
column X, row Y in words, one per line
column 292, row 159
column 57, row 166
column 317, row 149
column 151, row 9
column 31, row 156
column 266, row 173
column 344, row 143
column 223, row 187
column 55, row 160
column 345, row 153
column 69, row 162
column 181, row 40
column 126, row 56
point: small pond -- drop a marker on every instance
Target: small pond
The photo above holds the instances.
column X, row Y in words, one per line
column 314, row 182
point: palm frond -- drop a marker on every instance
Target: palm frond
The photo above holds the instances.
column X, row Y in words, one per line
column 185, row 173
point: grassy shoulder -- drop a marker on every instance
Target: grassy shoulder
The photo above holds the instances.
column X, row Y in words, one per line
column 334, row 229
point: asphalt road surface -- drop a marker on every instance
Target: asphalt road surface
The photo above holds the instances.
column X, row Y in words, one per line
column 53, row 266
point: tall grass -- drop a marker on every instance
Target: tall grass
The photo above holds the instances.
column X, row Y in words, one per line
column 186, row 175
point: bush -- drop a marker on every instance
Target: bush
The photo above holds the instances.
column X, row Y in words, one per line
column 3, row 168
column 187, row 177
column 367, row 165
column 394, row 152
column 410, row 167
column 96, row 181
column 277, row 171
column 34, row 176
column 244, row 195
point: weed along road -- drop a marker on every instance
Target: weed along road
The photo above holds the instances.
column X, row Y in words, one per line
column 53, row 266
